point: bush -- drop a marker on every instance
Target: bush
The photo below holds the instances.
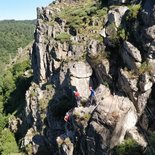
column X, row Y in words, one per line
column 145, row 67
column 19, row 68
column 134, row 9
column 121, row 33
column 3, row 122
column 8, row 144
column 128, row 147
column 63, row 37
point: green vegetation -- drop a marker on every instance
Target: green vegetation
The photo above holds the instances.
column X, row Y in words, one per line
column 63, row 37
column 134, row 9
column 13, row 86
column 145, row 67
column 14, row 34
column 128, row 147
column 8, row 144
column 112, row 32
column 121, row 33
column 83, row 14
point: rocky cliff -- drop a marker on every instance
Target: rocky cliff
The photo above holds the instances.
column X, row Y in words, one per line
column 107, row 45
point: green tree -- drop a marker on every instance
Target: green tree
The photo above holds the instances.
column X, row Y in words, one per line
column 8, row 144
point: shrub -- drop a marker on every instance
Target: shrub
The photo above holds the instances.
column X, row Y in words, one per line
column 19, row 68
column 134, row 9
column 63, row 37
column 3, row 122
column 8, row 144
column 91, row 10
column 121, row 33
column 128, row 147
column 8, row 84
column 101, row 12
column 112, row 32
column 75, row 22
column 145, row 67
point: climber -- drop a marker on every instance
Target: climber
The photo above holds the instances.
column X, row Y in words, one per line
column 66, row 118
column 92, row 95
column 68, row 115
column 78, row 98
column 69, row 128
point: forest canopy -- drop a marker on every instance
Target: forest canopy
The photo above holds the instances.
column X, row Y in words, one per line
column 14, row 34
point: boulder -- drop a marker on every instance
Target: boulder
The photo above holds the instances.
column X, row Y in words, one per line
column 134, row 134
column 102, row 33
column 132, row 51
column 126, row 122
column 80, row 70
column 94, row 48
column 151, row 51
column 128, row 84
column 150, row 32
column 145, row 82
column 65, row 145
column 80, row 73
column 111, row 119
column 115, row 15
column 131, row 56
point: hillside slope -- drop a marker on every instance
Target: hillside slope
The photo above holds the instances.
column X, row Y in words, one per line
column 13, row 35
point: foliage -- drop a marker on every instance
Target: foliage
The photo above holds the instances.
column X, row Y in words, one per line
column 127, row 147
column 13, row 82
column 20, row 67
column 145, row 67
column 121, row 33
column 8, row 84
column 101, row 12
column 134, row 9
column 8, row 144
column 13, row 87
column 3, row 122
column 76, row 14
column 63, row 37
column 14, row 34
column 112, row 32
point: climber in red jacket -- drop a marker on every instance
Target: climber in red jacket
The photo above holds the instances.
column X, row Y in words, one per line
column 78, row 98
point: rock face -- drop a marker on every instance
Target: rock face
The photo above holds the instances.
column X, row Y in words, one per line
column 107, row 119
column 77, row 46
column 116, row 14
column 80, row 73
